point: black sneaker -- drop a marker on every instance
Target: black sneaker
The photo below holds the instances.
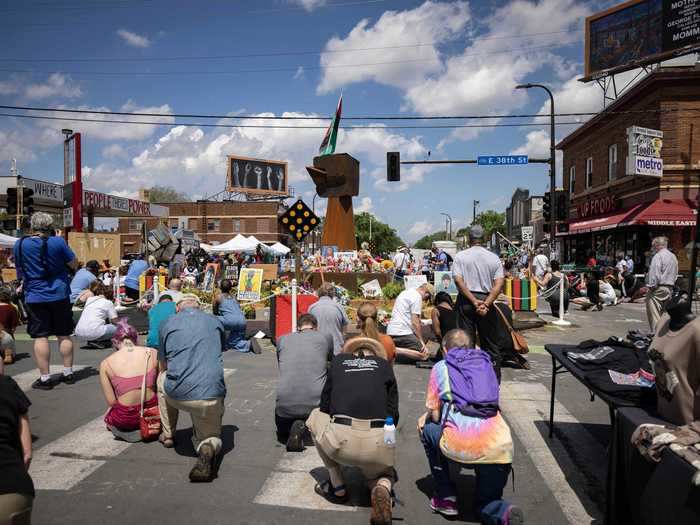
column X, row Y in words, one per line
column 202, row 471
column 68, row 379
column 515, row 515
column 42, row 385
column 295, row 442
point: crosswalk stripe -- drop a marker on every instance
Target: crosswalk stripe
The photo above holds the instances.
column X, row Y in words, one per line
column 25, row 379
column 292, row 485
column 65, row 462
column 523, row 405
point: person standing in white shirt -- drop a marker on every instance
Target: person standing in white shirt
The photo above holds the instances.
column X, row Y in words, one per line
column 402, row 263
column 661, row 278
column 478, row 274
column 540, row 264
column 405, row 327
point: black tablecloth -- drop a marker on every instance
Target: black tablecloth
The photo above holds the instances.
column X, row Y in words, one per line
column 557, row 352
column 644, row 493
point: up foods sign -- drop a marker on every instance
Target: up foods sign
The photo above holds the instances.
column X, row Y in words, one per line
column 644, row 155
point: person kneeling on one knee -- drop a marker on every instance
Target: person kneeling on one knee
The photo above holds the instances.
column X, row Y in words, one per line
column 348, row 427
column 464, row 426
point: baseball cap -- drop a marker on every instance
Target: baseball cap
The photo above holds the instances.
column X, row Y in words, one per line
column 476, row 232
column 92, row 265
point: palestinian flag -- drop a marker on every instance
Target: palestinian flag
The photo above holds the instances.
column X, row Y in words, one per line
column 328, row 145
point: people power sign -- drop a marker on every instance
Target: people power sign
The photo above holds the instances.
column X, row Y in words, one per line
column 644, row 155
column 299, row 220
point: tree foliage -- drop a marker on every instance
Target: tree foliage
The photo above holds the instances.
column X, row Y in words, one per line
column 384, row 236
column 426, row 242
column 491, row 221
column 158, row 194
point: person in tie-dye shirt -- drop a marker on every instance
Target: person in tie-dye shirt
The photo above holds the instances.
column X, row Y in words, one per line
column 482, row 443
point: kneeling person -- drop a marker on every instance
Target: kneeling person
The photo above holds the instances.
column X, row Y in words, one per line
column 405, row 327
column 462, row 429
column 303, row 363
column 359, row 396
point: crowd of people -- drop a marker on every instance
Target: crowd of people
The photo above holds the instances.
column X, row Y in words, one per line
column 336, row 393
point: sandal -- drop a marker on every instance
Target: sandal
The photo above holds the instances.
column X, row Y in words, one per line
column 330, row 493
column 382, row 502
column 167, row 442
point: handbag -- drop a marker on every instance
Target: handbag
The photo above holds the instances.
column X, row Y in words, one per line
column 149, row 418
column 519, row 341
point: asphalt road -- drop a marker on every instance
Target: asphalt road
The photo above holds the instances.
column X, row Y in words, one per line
column 84, row 476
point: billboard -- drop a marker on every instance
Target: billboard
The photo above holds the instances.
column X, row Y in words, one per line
column 247, row 175
column 640, row 32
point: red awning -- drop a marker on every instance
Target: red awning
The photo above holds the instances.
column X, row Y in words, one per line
column 666, row 212
column 603, row 223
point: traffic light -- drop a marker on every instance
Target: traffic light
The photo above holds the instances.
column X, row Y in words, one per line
column 562, row 207
column 27, row 201
column 393, row 166
column 545, row 227
column 547, row 207
column 12, row 201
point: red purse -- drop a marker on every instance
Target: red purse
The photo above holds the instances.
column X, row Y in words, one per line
column 149, row 418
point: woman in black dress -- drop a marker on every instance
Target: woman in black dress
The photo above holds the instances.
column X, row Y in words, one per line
column 444, row 317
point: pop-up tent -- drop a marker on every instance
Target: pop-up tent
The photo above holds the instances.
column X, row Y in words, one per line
column 238, row 244
column 278, row 249
column 7, row 241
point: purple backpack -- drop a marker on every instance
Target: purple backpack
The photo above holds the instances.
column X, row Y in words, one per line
column 473, row 382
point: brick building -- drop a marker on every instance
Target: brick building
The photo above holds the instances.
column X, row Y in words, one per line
column 620, row 194
column 524, row 210
column 213, row 222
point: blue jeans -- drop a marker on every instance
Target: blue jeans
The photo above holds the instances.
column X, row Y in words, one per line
column 235, row 326
column 490, row 479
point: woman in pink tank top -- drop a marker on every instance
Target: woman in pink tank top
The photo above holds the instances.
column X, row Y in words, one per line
column 121, row 376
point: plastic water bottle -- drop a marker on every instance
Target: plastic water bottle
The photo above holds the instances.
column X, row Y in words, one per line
column 389, row 432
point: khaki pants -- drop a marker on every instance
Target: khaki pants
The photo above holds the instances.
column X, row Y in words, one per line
column 655, row 303
column 356, row 446
column 206, row 415
column 15, row 509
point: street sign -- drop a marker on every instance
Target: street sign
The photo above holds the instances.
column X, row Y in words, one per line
column 501, row 160
column 526, row 233
column 299, row 220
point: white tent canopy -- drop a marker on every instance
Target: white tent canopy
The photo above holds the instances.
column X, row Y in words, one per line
column 279, row 249
column 238, row 244
column 7, row 241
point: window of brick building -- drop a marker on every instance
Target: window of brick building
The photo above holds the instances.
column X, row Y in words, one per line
column 612, row 161
column 589, row 172
column 262, row 225
column 214, row 225
column 135, row 225
column 236, row 225
column 192, row 224
column 572, row 180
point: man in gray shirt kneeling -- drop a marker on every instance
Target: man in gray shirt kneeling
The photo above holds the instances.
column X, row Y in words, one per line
column 303, row 359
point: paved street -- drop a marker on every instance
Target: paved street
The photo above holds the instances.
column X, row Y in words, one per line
column 84, row 476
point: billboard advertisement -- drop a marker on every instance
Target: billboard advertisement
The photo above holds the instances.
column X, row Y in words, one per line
column 247, row 175
column 640, row 32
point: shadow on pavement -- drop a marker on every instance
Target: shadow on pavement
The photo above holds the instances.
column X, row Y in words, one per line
column 183, row 441
column 465, row 480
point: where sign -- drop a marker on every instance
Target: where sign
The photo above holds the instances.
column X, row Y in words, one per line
column 501, row 160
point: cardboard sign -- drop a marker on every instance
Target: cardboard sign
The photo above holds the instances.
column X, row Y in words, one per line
column 250, row 284
column 414, row 281
column 269, row 271
column 372, row 289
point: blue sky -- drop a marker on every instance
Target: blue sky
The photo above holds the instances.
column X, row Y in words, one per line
column 388, row 57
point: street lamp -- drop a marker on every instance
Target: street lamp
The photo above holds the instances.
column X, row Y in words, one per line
column 448, row 218
column 552, row 172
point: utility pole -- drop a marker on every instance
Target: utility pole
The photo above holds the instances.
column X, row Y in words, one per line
column 448, row 218
column 370, row 226
column 552, row 159
column 474, row 205
column 20, row 205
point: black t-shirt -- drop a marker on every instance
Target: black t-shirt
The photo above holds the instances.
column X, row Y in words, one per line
column 13, row 403
column 360, row 387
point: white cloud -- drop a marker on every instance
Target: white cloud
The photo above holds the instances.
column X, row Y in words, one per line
column 299, row 73
column 133, row 39
column 419, row 229
column 108, row 131
column 9, row 87
column 195, row 161
column 114, row 151
column 309, row 5
column 365, row 205
column 401, row 62
column 57, row 85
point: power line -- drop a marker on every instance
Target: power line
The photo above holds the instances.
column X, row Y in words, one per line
column 260, row 55
column 273, row 70
column 320, row 117
column 267, row 126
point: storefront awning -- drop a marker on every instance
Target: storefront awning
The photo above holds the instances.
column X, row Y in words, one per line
column 666, row 212
column 603, row 223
